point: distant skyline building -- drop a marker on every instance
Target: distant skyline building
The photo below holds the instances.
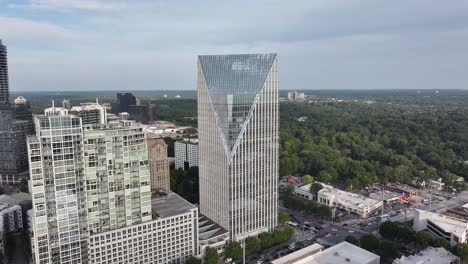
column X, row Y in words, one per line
column 158, row 164
column 125, row 100
column 186, row 154
column 4, row 88
column 13, row 152
column 238, row 141
column 296, row 96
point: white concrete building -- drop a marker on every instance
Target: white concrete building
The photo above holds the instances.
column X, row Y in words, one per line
column 186, row 154
column 453, row 229
column 347, row 201
column 343, row 252
column 428, row 256
column 54, row 111
column 238, row 141
column 296, row 96
column 170, row 238
column 436, row 185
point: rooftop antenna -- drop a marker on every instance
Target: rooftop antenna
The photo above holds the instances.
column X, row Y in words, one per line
column 97, row 100
column 53, row 104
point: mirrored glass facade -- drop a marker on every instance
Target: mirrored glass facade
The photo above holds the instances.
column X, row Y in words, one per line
column 238, row 141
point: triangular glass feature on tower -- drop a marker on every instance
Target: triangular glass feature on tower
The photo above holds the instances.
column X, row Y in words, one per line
column 234, row 81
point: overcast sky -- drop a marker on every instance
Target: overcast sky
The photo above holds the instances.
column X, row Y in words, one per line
column 152, row 44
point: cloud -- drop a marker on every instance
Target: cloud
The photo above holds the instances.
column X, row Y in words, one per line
column 70, row 5
column 322, row 44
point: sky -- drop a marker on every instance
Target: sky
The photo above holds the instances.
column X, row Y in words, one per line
column 74, row 45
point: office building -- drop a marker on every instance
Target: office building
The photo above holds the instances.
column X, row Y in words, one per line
column 23, row 111
column 343, row 252
column 13, row 152
column 15, row 124
column 118, row 190
column 90, row 113
column 158, row 164
column 58, row 188
column 186, row 154
column 171, row 237
column 11, row 220
column 4, row 89
column 453, row 229
column 296, row 96
column 238, row 142
column 125, row 100
column 332, row 197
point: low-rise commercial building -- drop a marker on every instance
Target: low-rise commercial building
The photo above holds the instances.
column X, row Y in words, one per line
column 436, row 185
column 344, row 252
column 428, row 256
column 453, row 229
column 347, row 201
column 171, row 237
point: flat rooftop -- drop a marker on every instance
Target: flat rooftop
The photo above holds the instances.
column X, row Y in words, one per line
column 448, row 223
column 347, row 198
column 428, row 256
column 344, row 253
column 171, row 205
column 387, row 195
column 299, row 255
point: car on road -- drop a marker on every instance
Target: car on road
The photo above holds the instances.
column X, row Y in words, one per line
column 344, row 225
column 321, row 227
column 334, row 230
column 351, row 231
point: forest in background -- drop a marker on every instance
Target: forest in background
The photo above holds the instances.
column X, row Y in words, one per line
column 362, row 143
column 354, row 137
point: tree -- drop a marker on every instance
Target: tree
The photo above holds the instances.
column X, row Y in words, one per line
column 211, row 256
column 283, row 217
column 388, row 249
column 352, row 239
column 23, row 186
column 405, row 234
column 369, row 242
column 440, row 242
column 315, row 188
column 193, row 260
column 462, row 251
column 307, row 179
column 253, row 245
column 388, row 229
column 234, row 250
column 423, row 238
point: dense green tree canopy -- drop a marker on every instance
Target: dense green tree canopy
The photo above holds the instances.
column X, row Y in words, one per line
column 360, row 143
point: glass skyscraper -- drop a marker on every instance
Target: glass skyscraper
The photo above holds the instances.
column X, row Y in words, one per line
column 4, row 91
column 238, row 141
